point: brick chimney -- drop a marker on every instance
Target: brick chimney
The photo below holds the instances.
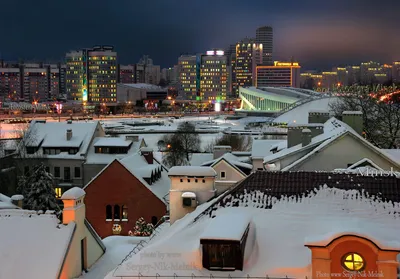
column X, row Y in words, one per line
column 318, row 116
column 18, row 200
column 220, row 150
column 354, row 119
column 147, row 153
column 69, row 134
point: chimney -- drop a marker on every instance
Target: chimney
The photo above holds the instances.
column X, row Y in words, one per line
column 69, row 134
column 318, row 116
column 220, row 150
column 295, row 132
column 147, row 153
column 17, row 200
column 74, row 209
column 306, row 137
column 355, row 120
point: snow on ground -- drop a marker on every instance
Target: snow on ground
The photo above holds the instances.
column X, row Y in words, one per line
column 117, row 247
column 299, row 115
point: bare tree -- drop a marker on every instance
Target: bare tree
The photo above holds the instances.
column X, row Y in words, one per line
column 237, row 142
column 381, row 113
column 180, row 145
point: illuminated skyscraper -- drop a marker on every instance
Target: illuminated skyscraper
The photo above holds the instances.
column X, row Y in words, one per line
column 396, row 72
column 188, row 78
column 213, row 76
column 248, row 56
column 282, row 74
column 265, row 36
column 91, row 75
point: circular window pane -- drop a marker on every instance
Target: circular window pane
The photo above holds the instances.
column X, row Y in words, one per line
column 353, row 262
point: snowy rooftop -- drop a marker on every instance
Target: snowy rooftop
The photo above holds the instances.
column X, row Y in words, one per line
column 197, row 159
column 230, row 226
column 54, row 135
column 281, row 231
column 111, row 142
column 33, row 246
column 261, row 148
column 192, row 171
column 138, row 166
column 231, row 159
column 103, row 158
column 6, row 202
column 143, row 86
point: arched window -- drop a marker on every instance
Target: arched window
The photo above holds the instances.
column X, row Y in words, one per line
column 124, row 212
column 154, row 220
column 117, row 212
column 109, row 212
column 353, row 262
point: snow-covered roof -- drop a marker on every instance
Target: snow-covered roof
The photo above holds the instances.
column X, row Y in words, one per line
column 111, row 142
column 230, row 226
column 41, row 254
column 352, row 112
column 192, row 171
column 286, row 228
column 197, row 159
column 393, row 153
column 142, row 86
column 73, row 194
column 261, row 148
column 188, row 195
column 104, row 159
column 141, row 169
column 53, row 135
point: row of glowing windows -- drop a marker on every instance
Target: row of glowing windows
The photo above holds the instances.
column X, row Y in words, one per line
column 102, row 58
column 214, row 62
column 104, row 100
column 213, row 70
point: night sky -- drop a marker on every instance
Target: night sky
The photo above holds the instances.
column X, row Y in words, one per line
column 319, row 34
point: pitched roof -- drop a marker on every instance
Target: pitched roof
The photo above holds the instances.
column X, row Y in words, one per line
column 111, row 142
column 192, row 171
column 42, row 253
column 261, row 148
column 53, row 135
column 232, row 160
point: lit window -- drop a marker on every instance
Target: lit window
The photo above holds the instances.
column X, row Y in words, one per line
column 124, row 212
column 58, row 192
column 353, row 262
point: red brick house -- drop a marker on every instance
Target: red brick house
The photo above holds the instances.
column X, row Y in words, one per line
column 125, row 190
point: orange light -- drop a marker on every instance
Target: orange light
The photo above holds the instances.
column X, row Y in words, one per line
column 319, row 83
column 168, row 146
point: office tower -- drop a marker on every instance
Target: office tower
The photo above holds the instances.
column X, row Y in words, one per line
column 248, row 56
column 396, row 72
column 53, row 72
column 91, row 75
column 330, row 80
column 170, row 75
column 264, row 36
column 147, row 72
column 126, row 73
column 188, row 72
column 368, row 71
column 282, row 74
column 213, row 76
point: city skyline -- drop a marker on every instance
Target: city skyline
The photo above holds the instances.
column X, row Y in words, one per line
column 318, row 35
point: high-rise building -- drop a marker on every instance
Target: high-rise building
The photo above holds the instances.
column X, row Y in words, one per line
column 265, row 36
column 368, row 71
column 36, row 83
column 91, row 75
column 342, row 75
column 170, row 75
column 282, row 74
column 188, row 76
column 126, row 73
column 353, row 74
column 248, row 56
column 10, row 84
column 330, row 80
column 396, row 72
column 147, row 72
column 213, row 76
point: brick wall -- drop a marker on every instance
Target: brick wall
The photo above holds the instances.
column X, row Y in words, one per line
column 116, row 185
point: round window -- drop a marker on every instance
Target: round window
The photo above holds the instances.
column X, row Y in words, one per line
column 353, row 262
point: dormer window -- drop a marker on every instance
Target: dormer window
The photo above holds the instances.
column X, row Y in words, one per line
column 224, row 242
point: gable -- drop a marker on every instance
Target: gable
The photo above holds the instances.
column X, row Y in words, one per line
column 115, row 179
column 341, row 153
column 232, row 173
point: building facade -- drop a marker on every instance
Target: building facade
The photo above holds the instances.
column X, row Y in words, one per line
column 126, row 73
column 282, row 74
column 248, row 56
column 91, row 75
column 264, row 37
column 10, row 84
column 213, row 76
column 188, row 81
column 396, row 72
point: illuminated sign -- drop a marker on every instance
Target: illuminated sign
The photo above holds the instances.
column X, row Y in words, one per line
column 217, row 106
column 217, row 52
column 84, row 95
column 220, row 52
column 210, row 52
column 286, row 64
